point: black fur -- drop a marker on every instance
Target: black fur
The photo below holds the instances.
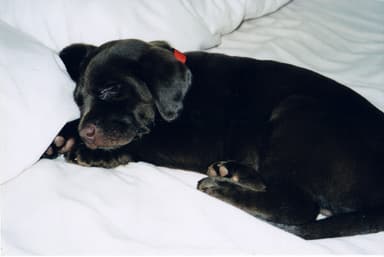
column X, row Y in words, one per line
column 299, row 143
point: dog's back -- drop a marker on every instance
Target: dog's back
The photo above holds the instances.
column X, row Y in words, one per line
column 294, row 126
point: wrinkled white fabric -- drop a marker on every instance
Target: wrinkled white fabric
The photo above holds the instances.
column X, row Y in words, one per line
column 35, row 100
column 343, row 40
column 186, row 24
column 58, row 208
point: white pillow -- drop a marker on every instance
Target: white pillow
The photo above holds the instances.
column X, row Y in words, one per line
column 35, row 100
column 58, row 23
column 186, row 24
column 224, row 16
column 258, row 8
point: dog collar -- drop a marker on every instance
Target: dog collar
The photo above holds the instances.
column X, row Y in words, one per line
column 179, row 56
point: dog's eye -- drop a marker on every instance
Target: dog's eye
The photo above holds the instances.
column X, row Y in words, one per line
column 110, row 91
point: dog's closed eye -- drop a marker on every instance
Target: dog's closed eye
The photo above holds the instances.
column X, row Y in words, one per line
column 111, row 91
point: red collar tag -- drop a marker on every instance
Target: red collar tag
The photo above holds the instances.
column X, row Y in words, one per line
column 179, row 56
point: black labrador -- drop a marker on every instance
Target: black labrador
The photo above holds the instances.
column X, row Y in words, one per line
column 280, row 142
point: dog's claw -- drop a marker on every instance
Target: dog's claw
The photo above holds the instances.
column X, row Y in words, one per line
column 210, row 185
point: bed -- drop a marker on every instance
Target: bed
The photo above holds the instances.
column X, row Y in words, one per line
column 50, row 207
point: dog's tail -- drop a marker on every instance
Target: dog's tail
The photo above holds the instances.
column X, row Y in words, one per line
column 346, row 224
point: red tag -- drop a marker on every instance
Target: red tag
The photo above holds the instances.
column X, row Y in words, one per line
column 179, row 56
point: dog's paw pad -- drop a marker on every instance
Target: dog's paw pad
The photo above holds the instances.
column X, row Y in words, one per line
column 223, row 169
column 59, row 141
column 49, row 151
column 67, row 145
column 218, row 169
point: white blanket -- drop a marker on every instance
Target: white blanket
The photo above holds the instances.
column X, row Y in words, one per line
column 62, row 209
column 57, row 208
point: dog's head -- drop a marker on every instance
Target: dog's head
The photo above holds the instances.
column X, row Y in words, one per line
column 121, row 86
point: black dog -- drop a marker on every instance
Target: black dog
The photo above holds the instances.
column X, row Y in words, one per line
column 280, row 142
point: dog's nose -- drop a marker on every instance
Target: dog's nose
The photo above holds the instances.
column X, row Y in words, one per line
column 88, row 132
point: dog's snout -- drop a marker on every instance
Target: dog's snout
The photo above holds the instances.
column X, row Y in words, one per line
column 96, row 136
column 88, row 133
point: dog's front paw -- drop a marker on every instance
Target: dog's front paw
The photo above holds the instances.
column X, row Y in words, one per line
column 60, row 145
column 79, row 155
column 64, row 142
column 84, row 156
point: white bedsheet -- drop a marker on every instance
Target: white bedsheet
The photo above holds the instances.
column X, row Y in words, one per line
column 59, row 208
column 341, row 39
column 62, row 209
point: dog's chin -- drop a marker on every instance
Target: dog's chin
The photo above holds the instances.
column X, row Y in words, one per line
column 107, row 145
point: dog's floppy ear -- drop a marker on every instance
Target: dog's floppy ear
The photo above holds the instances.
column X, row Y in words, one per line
column 162, row 44
column 73, row 56
column 167, row 78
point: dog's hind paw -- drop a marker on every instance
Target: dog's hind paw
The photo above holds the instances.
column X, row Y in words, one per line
column 212, row 185
column 237, row 172
column 230, row 169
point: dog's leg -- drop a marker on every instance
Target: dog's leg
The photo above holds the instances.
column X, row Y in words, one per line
column 290, row 210
column 346, row 224
column 275, row 204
